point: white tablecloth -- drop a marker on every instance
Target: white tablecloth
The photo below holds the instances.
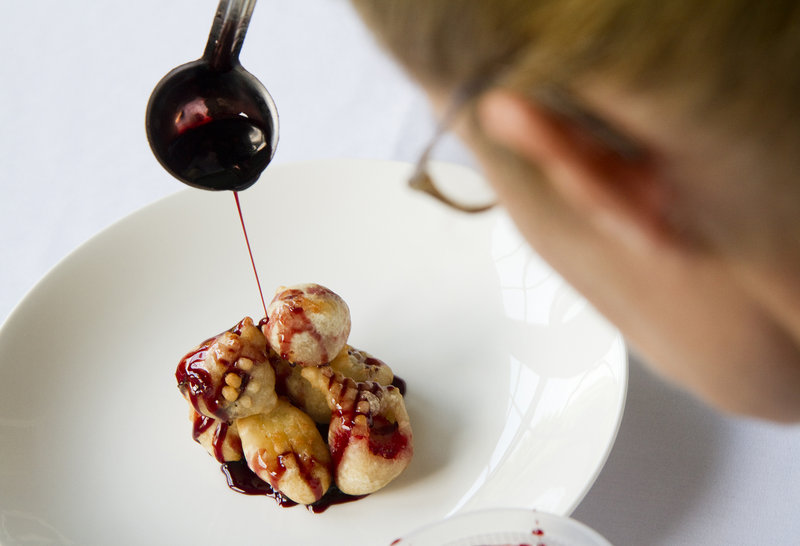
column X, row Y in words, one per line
column 74, row 81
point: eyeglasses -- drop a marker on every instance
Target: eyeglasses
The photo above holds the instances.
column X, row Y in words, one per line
column 421, row 179
column 556, row 100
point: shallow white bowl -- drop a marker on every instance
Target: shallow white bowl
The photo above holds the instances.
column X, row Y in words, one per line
column 516, row 386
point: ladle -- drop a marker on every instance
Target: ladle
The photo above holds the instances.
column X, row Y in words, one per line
column 211, row 123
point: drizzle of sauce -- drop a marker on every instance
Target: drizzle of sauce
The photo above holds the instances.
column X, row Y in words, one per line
column 197, row 383
column 333, row 496
column 400, row 384
column 337, row 442
column 385, row 439
column 250, row 251
column 219, row 440
column 305, row 465
column 243, row 480
column 200, row 424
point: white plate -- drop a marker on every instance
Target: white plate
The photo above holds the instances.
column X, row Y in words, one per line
column 515, row 385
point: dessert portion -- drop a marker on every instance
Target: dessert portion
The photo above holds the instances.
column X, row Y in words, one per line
column 306, row 412
column 350, row 362
column 228, row 376
column 285, row 449
column 290, row 382
column 307, row 324
column 369, row 433
column 361, row 366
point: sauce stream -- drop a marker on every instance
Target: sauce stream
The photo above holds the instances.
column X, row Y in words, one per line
column 249, row 250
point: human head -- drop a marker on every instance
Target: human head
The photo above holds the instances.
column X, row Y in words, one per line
column 691, row 245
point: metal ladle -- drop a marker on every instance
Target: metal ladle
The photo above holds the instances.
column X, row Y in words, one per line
column 211, row 123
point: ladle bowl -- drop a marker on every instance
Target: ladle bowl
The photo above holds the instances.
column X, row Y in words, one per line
column 211, row 123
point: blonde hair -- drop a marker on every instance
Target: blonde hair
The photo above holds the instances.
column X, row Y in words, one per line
column 735, row 62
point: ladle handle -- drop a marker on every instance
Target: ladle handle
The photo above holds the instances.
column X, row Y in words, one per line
column 227, row 33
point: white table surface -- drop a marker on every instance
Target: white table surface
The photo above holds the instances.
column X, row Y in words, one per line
column 74, row 82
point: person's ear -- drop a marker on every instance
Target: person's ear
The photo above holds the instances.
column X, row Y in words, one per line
column 619, row 193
